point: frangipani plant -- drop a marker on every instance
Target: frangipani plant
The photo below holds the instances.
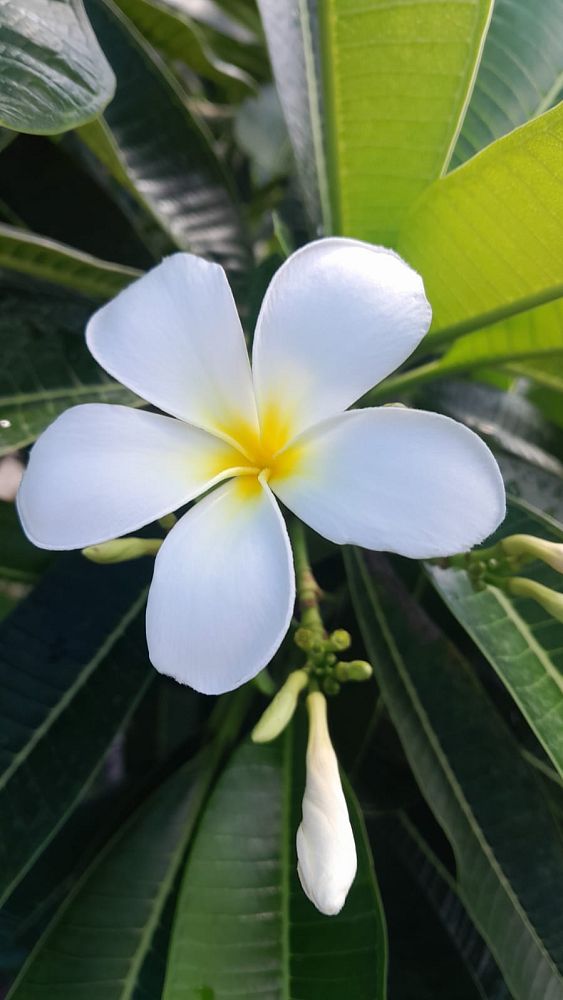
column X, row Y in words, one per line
column 430, row 131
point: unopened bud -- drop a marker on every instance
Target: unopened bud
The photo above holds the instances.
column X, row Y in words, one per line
column 340, row 640
column 280, row 710
column 355, row 670
column 527, row 547
column 330, row 686
column 122, row 549
column 520, row 586
column 326, row 851
column 305, row 639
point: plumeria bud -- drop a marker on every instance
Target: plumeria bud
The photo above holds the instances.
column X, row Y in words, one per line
column 520, row 586
column 122, row 549
column 340, row 640
column 330, row 686
column 527, row 547
column 326, row 852
column 304, row 638
column 355, row 670
column 280, row 710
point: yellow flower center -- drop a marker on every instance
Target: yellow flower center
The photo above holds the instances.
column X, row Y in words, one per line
column 265, row 452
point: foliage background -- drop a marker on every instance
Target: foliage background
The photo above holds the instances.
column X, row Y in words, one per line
column 147, row 848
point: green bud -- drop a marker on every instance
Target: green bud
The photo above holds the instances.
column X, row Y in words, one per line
column 340, row 640
column 331, row 686
column 304, row 638
column 520, row 586
column 122, row 549
column 330, row 659
column 280, row 710
column 525, row 548
column 355, row 670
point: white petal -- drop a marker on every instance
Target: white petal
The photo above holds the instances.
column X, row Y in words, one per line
column 174, row 338
column 100, row 471
column 223, row 590
column 393, row 479
column 338, row 317
column 326, row 851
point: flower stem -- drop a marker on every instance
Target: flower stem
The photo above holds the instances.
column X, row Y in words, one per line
column 308, row 590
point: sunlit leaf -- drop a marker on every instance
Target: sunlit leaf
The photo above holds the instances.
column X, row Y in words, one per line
column 54, row 74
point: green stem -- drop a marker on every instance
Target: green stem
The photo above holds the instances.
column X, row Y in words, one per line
column 308, row 590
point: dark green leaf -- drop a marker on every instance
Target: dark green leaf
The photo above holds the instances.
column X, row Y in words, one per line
column 19, row 559
column 47, row 260
column 54, row 75
column 73, row 666
column 177, row 36
column 166, row 154
column 243, row 924
column 520, row 641
column 46, row 365
column 508, row 851
column 520, row 75
column 105, row 937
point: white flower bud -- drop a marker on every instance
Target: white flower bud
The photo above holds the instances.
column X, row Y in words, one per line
column 326, row 851
column 528, row 547
column 551, row 600
column 122, row 549
column 280, row 710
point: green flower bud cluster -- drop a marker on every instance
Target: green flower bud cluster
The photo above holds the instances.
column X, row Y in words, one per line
column 497, row 566
column 323, row 664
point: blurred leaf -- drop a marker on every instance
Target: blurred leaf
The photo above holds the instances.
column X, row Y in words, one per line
column 54, row 73
column 166, row 154
column 508, row 851
column 105, row 937
column 73, row 666
column 46, row 364
column 507, row 420
column 177, row 36
column 520, row 641
column 48, row 260
column 292, row 35
column 243, row 924
column 19, row 559
column 483, row 237
column 520, row 75
column 398, row 77
column 261, row 133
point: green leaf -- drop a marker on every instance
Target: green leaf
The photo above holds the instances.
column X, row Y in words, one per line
column 45, row 259
column 508, row 851
column 166, row 154
column 520, row 75
column 520, row 641
column 483, row 237
column 535, row 334
column 398, row 77
column 72, row 668
column 105, row 939
column 243, row 925
column 177, row 36
column 292, row 36
column 54, row 74
column 403, row 840
column 46, row 364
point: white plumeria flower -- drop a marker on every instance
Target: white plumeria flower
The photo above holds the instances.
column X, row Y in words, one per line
column 326, row 852
column 338, row 317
